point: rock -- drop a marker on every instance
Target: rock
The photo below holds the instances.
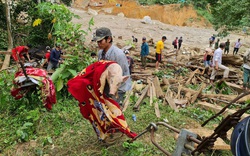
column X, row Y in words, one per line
column 108, row 10
column 146, row 20
column 92, row 12
column 120, row 14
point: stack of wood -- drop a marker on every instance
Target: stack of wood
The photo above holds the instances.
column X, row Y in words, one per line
column 177, row 93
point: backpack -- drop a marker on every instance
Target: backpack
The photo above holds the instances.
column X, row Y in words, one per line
column 173, row 43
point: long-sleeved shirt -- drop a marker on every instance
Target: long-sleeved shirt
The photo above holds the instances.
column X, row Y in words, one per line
column 55, row 56
column 117, row 55
column 144, row 49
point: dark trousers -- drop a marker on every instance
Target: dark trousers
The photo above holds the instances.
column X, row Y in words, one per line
column 143, row 61
column 226, row 50
column 179, row 47
column 235, row 51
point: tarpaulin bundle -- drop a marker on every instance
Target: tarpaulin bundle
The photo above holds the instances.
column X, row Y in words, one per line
column 38, row 77
column 103, row 112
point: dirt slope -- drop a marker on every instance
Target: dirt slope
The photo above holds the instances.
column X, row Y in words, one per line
column 182, row 22
column 173, row 14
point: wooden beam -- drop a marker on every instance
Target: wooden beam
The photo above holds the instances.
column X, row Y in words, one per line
column 191, row 76
column 171, row 103
column 158, row 90
column 226, row 97
column 195, row 96
column 217, row 108
column 238, row 88
column 151, row 94
column 157, row 111
column 5, row 52
column 144, row 92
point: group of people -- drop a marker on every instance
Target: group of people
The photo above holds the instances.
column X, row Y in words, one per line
column 177, row 43
column 216, row 44
column 217, row 62
column 52, row 57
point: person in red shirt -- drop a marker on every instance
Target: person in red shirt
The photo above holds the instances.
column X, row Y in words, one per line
column 19, row 51
column 47, row 56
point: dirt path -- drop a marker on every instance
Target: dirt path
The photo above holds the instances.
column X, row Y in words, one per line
column 126, row 27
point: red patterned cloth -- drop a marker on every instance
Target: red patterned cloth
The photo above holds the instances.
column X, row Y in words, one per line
column 103, row 112
column 47, row 88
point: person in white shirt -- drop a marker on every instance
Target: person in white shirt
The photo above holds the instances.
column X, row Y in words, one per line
column 217, row 60
column 237, row 46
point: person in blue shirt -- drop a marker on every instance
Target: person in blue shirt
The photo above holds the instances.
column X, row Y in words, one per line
column 55, row 57
column 144, row 52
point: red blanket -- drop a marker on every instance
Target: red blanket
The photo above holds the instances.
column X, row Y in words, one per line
column 47, row 87
column 103, row 112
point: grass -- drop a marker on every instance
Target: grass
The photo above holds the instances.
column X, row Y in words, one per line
column 27, row 129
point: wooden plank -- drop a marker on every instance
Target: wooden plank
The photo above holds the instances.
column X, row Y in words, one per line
column 126, row 100
column 238, row 88
column 141, row 74
column 165, row 81
column 158, row 90
column 151, row 94
column 217, row 108
column 178, row 92
column 226, row 97
column 171, row 103
column 191, row 76
column 195, row 96
column 157, row 111
column 144, row 92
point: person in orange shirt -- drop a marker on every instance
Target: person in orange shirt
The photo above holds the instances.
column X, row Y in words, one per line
column 159, row 49
column 19, row 51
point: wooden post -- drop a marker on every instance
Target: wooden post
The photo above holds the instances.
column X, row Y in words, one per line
column 144, row 92
column 6, row 62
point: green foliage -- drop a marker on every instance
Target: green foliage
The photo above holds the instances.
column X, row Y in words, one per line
column 3, row 40
column 3, row 24
column 63, row 131
column 47, row 12
column 223, row 88
column 69, row 69
column 67, row 2
column 20, row 31
column 200, row 114
column 230, row 15
column 53, row 21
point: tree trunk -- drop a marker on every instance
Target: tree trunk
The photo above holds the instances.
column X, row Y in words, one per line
column 6, row 62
